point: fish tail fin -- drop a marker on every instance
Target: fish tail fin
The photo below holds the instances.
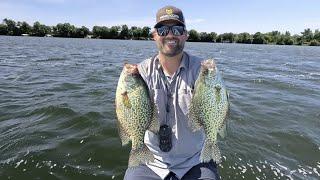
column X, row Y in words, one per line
column 210, row 151
column 140, row 156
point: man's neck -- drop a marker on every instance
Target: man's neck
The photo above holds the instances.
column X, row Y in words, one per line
column 170, row 64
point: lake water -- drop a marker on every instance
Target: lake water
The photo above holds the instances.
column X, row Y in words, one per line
column 57, row 115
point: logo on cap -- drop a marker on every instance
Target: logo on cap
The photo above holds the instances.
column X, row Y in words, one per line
column 169, row 11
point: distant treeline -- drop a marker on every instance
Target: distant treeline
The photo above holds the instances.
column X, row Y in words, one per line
column 12, row 28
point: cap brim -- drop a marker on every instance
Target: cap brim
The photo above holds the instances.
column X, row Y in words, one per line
column 173, row 20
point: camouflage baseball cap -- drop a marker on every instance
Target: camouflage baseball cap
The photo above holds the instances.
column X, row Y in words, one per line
column 169, row 13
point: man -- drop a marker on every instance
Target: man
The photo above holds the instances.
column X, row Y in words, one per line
column 170, row 76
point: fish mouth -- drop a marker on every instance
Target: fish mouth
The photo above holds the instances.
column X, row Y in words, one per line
column 131, row 69
column 209, row 64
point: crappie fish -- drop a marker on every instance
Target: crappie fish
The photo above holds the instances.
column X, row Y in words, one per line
column 209, row 108
column 134, row 111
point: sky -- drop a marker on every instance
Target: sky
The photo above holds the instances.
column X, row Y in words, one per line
column 222, row 16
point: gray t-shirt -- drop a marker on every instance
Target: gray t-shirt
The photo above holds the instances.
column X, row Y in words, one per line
column 172, row 98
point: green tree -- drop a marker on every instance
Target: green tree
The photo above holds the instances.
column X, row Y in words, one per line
column 25, row 28
column 317, row 35
column 287, row 34
column 219, row 38
column 280, row 40
column 228, row 37
column 82, row 32
column 105, row 33
column 40, row 29
column 11, row 27
column 18, row 31
column 276, row 35
column 136, row 32
column 194, row 36
column 288, row 40
column 96, row 31
column 307, row 35
column 146, row 32
column 269, row 38
column 258, row 38
column 114, row 32
column 297, row 39
column 37, row 30
column 124, row 33
column 64, row 30
column 213, row 36
column 244, row 38
column 3, row 29
column 204, row 37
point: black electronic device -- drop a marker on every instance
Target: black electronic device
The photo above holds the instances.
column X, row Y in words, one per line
column 165, row 142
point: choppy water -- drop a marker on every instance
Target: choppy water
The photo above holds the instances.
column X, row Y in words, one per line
column 57, row 117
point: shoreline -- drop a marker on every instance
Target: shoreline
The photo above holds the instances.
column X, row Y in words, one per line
column 49, row 37
column 10, row 27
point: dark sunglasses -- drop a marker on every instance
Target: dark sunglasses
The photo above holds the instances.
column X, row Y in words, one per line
column 176, row 30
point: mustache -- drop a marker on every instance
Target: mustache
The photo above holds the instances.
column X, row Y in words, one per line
column 171, row 38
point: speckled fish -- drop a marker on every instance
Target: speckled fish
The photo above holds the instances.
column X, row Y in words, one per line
column 134, row 111
column 209, row 108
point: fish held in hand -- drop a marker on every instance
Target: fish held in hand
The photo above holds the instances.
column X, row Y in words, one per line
column 134, row 110
column 209, row 108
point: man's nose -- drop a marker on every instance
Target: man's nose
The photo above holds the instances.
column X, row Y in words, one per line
column 170, row 34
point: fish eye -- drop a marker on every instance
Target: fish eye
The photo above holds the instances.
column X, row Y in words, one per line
column 218, row 87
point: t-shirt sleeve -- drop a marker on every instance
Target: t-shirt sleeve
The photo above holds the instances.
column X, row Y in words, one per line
column 143, row 69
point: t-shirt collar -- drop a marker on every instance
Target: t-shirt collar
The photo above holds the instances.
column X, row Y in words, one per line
column 183, row 64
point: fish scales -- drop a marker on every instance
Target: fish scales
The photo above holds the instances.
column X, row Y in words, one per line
column 209, row 108
column 134, row 111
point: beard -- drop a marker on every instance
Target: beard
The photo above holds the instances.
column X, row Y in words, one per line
column 172, row 51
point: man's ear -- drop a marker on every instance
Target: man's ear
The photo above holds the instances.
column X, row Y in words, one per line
column 154, row 34
column 187, row 35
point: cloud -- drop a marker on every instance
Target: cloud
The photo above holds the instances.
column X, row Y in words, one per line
column 312, row 24
column 195, row 21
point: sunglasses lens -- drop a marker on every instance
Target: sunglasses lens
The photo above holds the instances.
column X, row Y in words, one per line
column 176, row 30
column 163, row 30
